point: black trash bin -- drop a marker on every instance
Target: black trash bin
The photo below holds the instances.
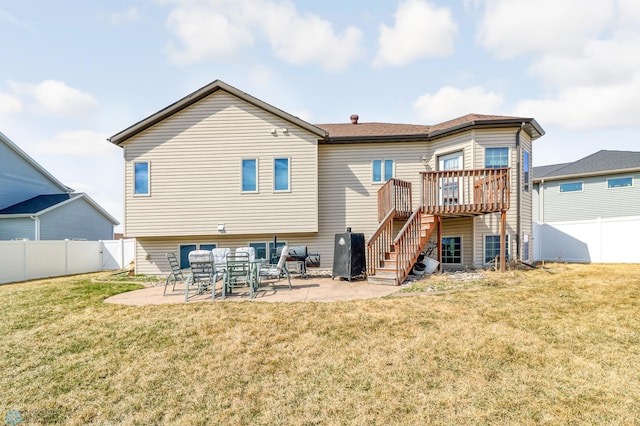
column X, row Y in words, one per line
column 349, row 256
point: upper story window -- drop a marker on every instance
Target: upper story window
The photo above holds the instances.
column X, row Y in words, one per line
column 496, row 158
column 526, row 170
column 381, row 170
column 141, row 179
column 571, row 187
column 250, row 175
column 281, row 174
column 619, row 182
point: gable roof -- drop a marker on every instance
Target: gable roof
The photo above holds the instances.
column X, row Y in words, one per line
column 33, row 163
column 199, row 94
column 42, row 204
column 601, row 162
column 348, row 132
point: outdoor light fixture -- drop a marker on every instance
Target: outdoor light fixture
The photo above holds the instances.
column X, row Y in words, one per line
column 221, row 227
column 424, row 160
column 283, row 130
column 274, row 132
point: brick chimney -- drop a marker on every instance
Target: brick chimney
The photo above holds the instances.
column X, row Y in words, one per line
column 354, row 118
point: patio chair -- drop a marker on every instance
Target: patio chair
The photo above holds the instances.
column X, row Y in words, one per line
column 176, row 273
column 220, row 261
column 202, row 273
column 249, row 250
column 277, row 271
column 238, row 273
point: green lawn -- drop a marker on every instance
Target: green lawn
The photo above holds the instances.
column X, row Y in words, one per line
column 551, row 346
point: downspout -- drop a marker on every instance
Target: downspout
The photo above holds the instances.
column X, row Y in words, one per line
column 36, row 231
column 518, row 183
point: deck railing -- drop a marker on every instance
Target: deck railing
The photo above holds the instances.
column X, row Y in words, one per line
column 459, row 192
column 407, row 245
column 394, row 194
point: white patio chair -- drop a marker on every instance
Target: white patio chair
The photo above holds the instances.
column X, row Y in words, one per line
column 202, row 273
column 276, row 271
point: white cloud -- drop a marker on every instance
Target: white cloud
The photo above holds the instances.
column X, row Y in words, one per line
column 451, row 102
column 512, row 28
column 52, row 97
column 77, row 143
column 588, row 107
column 9, row 104
column 204, row 33
column 300, row 39
column 224, row 28
column 421, row 30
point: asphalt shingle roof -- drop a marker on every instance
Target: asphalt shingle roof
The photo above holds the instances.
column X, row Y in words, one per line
column 601, row 161
column 374, row 129
column 35, row 204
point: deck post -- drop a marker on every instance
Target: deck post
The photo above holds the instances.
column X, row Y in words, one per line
column 503, row 254
column 438, row 220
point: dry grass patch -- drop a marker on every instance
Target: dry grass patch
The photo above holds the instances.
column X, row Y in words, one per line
column 545, row 346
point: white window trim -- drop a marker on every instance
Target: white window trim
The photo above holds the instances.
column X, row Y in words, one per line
column 288, row 174
column 484, row 154
column 383, row 161
column 148, row 193
column 621, row 177
column 484, row 246
column 461, row 248
column 570, row 182
column 242, row 191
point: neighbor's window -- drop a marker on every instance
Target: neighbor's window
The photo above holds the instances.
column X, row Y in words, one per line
column 492, row 247
column 571, row 187
column 281, row 176
column 185, row 249
column 526, row 168
column 619, row 182
column 496, row 158
column 141, row 185
column 249, row 175
column 451, row 250
column 382, row 170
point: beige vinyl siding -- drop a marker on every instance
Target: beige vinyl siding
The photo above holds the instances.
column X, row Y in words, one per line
column 346, row 194
column 490, row 224
column 462, row 142
column 459, row 227
column 526, row 199
column 195, row 173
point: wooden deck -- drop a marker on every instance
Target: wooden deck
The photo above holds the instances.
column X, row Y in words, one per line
column 451, row 193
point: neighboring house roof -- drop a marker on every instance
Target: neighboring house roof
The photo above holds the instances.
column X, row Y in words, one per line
column 201, row 93
column 41, row 204
column 33, row 163
column 601, row 162
column 343, row 132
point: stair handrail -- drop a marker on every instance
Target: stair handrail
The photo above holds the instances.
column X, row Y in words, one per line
column 407, row 245
column 394, row 194
column 380, row 242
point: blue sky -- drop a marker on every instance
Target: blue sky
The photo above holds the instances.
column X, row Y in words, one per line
column 76, row 72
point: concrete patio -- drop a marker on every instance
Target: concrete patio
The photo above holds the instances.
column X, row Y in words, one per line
column 309, row 289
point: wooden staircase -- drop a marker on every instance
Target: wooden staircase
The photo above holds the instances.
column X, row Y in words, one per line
column 399, row 257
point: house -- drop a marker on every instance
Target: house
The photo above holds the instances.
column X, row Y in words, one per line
column 584, row 207
column 222, row 168
column 35, row 205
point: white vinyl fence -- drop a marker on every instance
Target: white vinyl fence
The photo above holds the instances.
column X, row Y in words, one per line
column 24, row 260
column 615, row 240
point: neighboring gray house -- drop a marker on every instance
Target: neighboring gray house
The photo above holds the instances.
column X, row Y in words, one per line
column 585, row 207
column 35, row 205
